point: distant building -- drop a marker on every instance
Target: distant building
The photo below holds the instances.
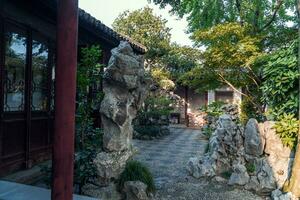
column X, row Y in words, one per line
column 189, row 111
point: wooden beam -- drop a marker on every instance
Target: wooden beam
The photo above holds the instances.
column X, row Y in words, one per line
column 65, row 93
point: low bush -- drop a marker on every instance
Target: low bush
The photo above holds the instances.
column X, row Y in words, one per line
column 287, row 128
column 250, row 167
column 214, row 109
column 150, row 130
column 248, row 111
column 147, row 132
column 136, row 171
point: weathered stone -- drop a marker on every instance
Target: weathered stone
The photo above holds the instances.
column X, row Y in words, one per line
column 125, row 87
column 201, row 167
column 278, row 195
column 135, row 190
column 104, row 193
column 274, row 145
column 220, row 179
column 239, row 175
column 110, row 165
column 253, row 184
column 254, row 142
column 267, row 182
column 281, row 168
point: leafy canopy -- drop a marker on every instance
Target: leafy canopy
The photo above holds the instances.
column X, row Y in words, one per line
column 261, row 14
column 146, row 28
column 280, row 81
column 228, row 58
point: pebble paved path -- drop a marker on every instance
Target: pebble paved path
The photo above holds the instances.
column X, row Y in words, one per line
column 167, row 158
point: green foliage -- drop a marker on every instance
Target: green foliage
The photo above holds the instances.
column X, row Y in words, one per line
column 280, row 81
column 226, row 174
column 136, row 171
column 150, row 130
column 162, row 78
column 214, row 109
column 155, row 107
column 181, row 59
column 150, row 30
column 248, row 110
column 207, row 131
column 88, row 139
column 228, row 59
column 265, row 16
column 250, row 167
column 287, row 128
column 146, row 28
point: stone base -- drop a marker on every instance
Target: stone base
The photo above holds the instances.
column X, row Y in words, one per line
column 104, row 193
column 110, row 165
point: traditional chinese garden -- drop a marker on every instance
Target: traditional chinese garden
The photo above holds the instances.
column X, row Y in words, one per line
column 150, row 145
column 242, row 150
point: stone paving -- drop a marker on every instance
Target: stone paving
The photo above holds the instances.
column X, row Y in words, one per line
column 167, row 157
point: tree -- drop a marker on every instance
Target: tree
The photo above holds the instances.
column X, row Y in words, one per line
column 293, row 184
column 146, row 28
column 181, row 59
column 228, row 59
column 261, row 14
column 280, row 81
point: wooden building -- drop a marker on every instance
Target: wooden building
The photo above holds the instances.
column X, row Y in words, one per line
column 28, row 31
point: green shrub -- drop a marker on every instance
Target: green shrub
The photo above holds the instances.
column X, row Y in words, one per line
column 88, row 141
column 280, row 81
column 213, row 109
column 151, row 130
column 250, row 167
column 248, row 110
column 287, row 128
column 207, row 131
column 136, row 171
column 226, row 174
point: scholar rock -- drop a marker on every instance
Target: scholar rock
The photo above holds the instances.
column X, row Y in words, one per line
column 254, row 142
column 125, row 87
column 110, row 165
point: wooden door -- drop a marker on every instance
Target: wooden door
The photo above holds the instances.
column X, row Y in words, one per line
column 26, row 114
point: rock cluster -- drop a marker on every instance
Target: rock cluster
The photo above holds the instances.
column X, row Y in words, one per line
column 252, row 157
column 278, row 195
column 229, row 109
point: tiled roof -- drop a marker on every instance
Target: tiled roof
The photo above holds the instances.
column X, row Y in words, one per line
column 98, row 25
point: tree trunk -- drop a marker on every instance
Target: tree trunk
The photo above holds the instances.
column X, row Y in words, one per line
column 293, row 184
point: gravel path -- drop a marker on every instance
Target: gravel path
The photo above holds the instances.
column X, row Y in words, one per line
column 167, row 158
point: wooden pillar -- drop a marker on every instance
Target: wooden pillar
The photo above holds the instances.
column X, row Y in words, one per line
column 65, row 92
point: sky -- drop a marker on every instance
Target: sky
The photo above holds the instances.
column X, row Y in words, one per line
column 108, row 10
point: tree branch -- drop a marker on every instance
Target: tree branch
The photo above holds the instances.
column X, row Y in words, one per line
column 279, row 4
column 238, row 6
